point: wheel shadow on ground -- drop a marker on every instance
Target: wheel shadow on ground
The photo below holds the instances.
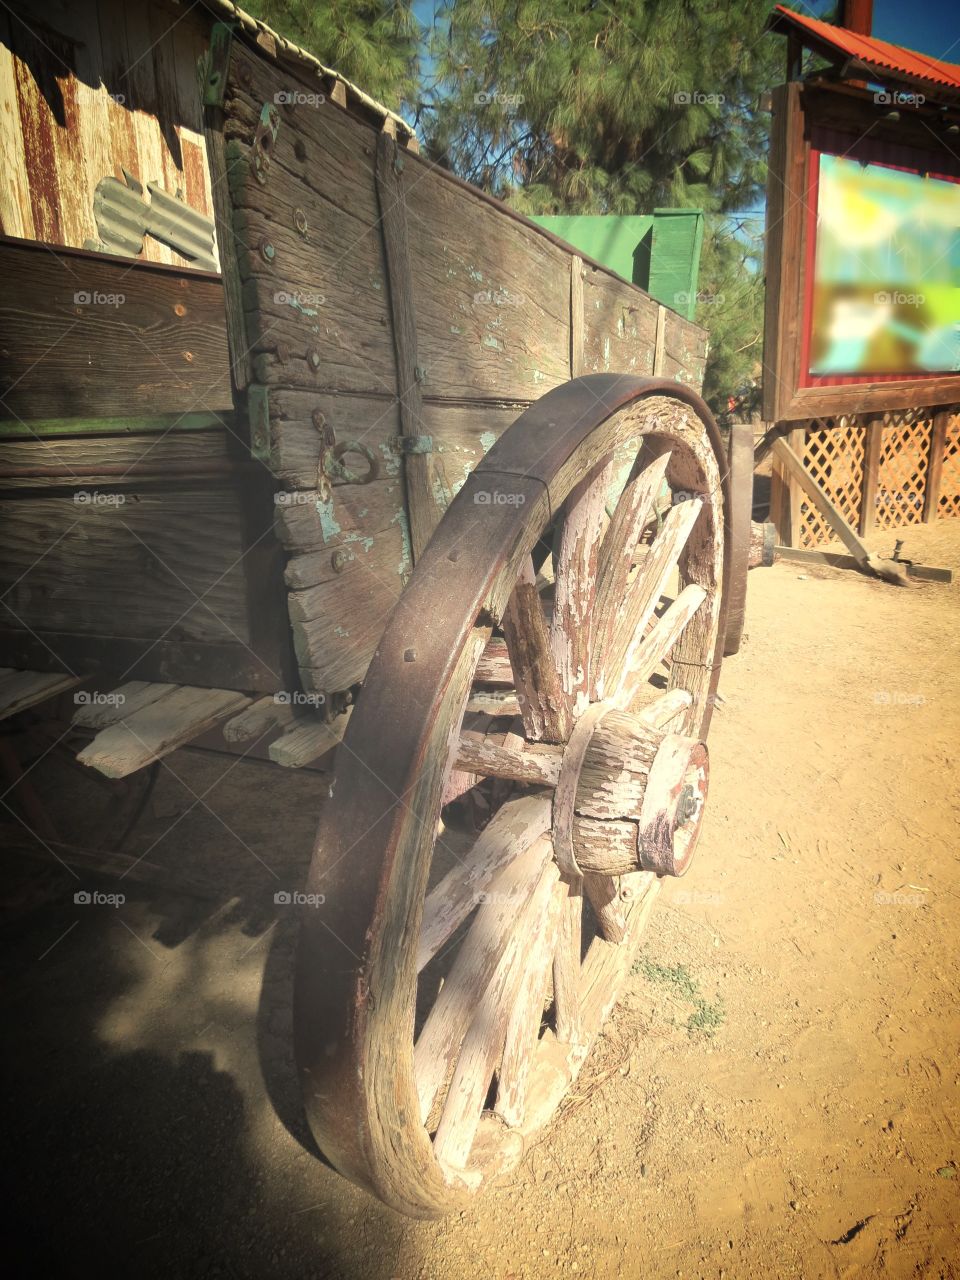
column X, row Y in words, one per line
column 132, row 1155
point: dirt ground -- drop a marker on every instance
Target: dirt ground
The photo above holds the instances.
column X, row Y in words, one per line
column 777, row 1095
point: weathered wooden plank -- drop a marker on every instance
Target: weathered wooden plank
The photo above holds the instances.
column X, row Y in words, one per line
column 461, row 433
column 159, row 346
column 620, row 325
column 263, row 716
column 147, row 565
column 871, row 473
column 22, row 689
column 931, row 492
column 113, row 459
column 307, row 740
column 97, row 711
column 159, row 728
column 426, row 493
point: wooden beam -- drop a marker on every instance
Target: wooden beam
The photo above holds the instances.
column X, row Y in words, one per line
column 22, row 689
column 424, row 506
column 576, row 316
column 97, row 337
column 307, row 740
column 938, row 441
column 883, row 568
column 873, row 446
column 159, row 728
column 837, row 560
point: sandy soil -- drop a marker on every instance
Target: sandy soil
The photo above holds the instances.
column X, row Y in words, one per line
column 777, row 1095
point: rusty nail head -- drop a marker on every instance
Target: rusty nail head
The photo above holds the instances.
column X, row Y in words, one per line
column 314, row 361
column 339, row 560
column 409, row 655
column 267, row 251
column 300, row 221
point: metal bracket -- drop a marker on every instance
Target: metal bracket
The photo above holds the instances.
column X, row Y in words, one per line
column 264, row 142
column 412, row 444
column 217, row 61
column 331, row 469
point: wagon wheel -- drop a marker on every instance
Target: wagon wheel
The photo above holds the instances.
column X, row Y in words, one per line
column 421, row 1087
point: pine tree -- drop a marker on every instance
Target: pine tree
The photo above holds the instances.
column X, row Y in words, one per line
column 561, row 106
column 374, row 43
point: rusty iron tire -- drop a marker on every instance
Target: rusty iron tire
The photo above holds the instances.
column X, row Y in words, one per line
column 356, row 988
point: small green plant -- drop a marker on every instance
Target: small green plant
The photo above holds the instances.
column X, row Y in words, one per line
column 706, row 1018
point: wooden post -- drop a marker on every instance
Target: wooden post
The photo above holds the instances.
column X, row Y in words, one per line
column 785, row 493
column 938, row 443
column 576, row 316
column 426, row 491
column 872, row 447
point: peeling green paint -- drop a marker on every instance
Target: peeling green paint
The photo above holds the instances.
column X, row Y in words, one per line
column 494, row 343
column 455, row 329
column 391, row 460
column 406, row 549
column 340, row 632
column 329, row 527
column 488, row 440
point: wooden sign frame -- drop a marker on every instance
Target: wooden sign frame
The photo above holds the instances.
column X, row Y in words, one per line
column 796, row 108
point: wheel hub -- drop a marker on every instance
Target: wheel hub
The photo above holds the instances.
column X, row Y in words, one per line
column 635, row 796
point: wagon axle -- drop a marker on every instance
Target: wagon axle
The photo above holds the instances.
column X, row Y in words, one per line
column 638, row 793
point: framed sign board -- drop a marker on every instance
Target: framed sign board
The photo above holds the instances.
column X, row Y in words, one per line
column 862, row 255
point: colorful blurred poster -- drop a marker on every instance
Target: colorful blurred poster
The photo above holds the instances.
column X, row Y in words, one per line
column 886, row 293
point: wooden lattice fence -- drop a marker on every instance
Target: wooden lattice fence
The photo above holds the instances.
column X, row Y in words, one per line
column 884, row 472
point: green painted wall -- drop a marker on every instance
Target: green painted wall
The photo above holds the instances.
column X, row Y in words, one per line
column 660, row 252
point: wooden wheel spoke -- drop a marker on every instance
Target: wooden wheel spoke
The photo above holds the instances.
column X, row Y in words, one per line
column 646, row 652
column 618, row 549
column 575, row 558
column 439, row 1042
column 566, row 965
column 511, row 831
column 644, row 593
column 484, row 1043
column 543, row 702
column 523, row 1025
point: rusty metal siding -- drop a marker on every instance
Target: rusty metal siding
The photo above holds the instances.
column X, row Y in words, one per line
column 88, row 89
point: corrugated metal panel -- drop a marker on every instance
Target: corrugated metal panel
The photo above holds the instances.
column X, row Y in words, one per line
column 90, row 89
column 872, row 52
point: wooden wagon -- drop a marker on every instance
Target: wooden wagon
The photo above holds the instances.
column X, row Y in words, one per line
column 406, row 473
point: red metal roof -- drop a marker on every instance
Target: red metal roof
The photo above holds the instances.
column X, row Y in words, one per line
column 873, row 53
